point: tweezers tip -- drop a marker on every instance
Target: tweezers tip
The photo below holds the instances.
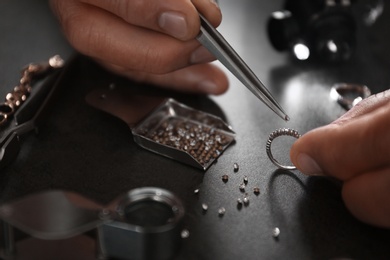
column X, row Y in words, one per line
column 286, row 118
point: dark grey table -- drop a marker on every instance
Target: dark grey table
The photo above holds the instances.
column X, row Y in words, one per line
column 84, row 150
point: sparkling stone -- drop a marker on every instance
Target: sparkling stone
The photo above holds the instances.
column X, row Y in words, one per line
column 246, row 200
column 185, row 233
column 205, row 206
column 236, row 167
column 181, row 132
column 225, row 178
column 221, row 211
column 192, row 142
column 196, row 191
column 242, row 187
column 239, row 201
column 276, row 232
column 245, row 179
column 256, row 190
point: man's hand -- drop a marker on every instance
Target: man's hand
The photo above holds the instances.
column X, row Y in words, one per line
column 356, row 150
column 146, row 40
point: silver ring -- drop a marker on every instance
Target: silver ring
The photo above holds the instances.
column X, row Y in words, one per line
column 272, row 136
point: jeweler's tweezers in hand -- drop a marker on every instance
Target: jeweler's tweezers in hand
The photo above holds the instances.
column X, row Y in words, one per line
column 210, row 38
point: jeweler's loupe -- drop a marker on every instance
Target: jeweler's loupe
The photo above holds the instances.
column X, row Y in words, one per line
column 348, row 95
column 144, row 223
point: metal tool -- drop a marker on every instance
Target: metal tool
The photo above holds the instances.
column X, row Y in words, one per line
column 210, row 38
column 144, row 223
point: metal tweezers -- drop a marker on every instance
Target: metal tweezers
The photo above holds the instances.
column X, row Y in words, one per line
column 210, row 38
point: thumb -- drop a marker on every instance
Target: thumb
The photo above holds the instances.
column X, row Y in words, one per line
column 356, row 143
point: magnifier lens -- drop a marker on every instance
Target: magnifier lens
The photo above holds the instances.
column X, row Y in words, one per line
column 148, row 213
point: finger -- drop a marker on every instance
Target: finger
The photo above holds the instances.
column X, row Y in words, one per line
column 101, row 35
column 201, row 78
column 344, row 150
column 179, row 19
column 366, row 106
column 368, row 197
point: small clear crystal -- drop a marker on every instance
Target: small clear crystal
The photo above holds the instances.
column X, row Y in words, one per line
column 239, row 201
column 236, row 167
column 185, row 233
column 242, row 187
column 256, row 190
column 221, row 211
column 245, row 179
column 276, row 232
column 196, row 191
column 204, row 206
column 246, row 200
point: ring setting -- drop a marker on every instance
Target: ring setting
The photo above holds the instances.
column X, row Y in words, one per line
column 275, row 134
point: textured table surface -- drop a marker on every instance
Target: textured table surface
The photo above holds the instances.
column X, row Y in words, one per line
column 87, row 151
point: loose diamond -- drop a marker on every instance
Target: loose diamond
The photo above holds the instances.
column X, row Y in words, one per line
column 246, row 200
column 276, row 232
column 221, row 211
column 185, row 233
column 236, row 167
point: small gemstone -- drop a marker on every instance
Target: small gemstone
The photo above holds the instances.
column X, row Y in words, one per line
column 239, row 201
column 245, row 179
column 204, row 206
column 276, row 232
column 246, row 200
column 225, row 178
column 196, row 191
column 185, row 233
column 221, row 211
column 236, row 167
column 242, row 187
column 256, row 190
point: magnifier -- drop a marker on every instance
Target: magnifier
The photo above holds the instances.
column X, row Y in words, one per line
column 144, row 223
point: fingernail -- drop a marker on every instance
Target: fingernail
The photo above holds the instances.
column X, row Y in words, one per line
column 201, row 55
column 173, row 23
column 307, row 165
column 207, row 86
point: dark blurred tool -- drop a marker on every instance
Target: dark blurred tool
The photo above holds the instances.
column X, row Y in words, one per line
column 144, row 223
column 323, row 29
column 24, row 108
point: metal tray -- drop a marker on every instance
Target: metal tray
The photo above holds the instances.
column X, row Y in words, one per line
column 185, row 134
